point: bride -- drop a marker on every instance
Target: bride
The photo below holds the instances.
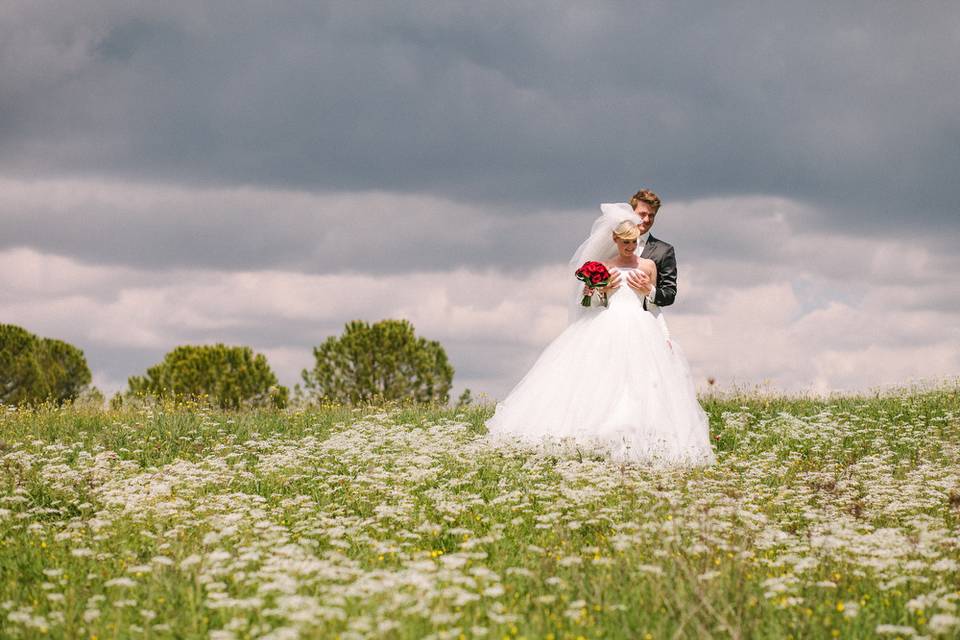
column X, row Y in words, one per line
column 614, row 380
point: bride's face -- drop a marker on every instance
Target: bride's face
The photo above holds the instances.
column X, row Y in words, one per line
column 647, row 215
column 625, row 247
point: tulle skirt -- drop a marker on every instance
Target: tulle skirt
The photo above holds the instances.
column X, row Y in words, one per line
column 612, row 383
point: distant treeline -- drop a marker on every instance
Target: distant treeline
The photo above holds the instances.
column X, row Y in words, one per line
column 383, row 361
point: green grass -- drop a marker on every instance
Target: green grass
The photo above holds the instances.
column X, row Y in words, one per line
column 822, row 518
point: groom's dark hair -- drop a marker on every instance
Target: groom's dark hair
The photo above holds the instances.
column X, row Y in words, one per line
column 645, row 195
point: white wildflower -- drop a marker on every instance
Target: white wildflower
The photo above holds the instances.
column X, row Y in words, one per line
column 941, row 623
column 945, row 564
column 494, row 591
column 895, row 630
column 139, row 568
column 120, row 582
column 650, row 568
column 189, row 561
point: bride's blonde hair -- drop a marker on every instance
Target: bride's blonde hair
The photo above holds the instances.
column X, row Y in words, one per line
column 627, row 230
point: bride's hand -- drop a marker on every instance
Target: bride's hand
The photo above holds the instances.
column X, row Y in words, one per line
column 614, row 283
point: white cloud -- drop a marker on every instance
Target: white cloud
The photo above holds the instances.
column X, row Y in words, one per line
column 797, row 322
column 280, row 313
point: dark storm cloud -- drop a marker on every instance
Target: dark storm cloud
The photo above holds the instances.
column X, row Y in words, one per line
column 561, row 104
column 168, row 228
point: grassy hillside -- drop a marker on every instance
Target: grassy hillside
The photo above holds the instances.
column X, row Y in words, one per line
column 822, row 518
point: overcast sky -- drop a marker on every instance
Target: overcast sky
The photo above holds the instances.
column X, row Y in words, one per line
column 260, row 173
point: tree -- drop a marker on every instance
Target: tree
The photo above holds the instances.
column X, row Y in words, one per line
column 465, row 399
column 67, row 372
column 34, row 369
column 20, row 376
column 382, row 361
column 231, row 377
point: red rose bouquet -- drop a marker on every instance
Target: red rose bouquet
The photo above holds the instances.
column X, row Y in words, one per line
column 594, row 275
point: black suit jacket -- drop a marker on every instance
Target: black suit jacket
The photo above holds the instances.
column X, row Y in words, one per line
column 664, row 257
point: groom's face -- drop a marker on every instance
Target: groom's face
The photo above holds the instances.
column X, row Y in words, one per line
column 647, row 215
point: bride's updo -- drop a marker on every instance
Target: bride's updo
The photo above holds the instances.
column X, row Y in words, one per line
column 627, row 230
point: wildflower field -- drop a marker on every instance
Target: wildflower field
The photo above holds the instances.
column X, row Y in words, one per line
column 822, row 518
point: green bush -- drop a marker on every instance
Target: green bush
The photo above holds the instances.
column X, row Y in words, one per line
column 230, row 377
column 34, row 369
column 383, row 361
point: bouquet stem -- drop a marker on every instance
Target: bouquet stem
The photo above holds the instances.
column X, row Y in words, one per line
column 603, row 299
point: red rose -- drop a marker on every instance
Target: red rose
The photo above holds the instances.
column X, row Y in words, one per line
column 594, row 275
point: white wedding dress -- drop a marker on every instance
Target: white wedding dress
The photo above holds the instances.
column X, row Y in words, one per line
column 614, row 382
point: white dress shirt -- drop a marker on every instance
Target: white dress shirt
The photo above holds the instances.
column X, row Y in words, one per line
column 641, row 243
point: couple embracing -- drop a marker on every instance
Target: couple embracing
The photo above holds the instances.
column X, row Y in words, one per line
column 614, row 380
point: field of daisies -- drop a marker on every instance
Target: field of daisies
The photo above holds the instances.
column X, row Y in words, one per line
column 821, row 518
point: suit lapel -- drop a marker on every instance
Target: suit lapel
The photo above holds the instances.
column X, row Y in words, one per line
column 648, row 247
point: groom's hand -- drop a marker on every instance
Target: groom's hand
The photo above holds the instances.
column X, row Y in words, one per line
column 639, row 281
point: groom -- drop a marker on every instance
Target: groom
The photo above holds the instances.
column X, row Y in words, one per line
column 662, row 293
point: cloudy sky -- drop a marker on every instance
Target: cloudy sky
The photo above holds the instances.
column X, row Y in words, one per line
column 260, row 173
